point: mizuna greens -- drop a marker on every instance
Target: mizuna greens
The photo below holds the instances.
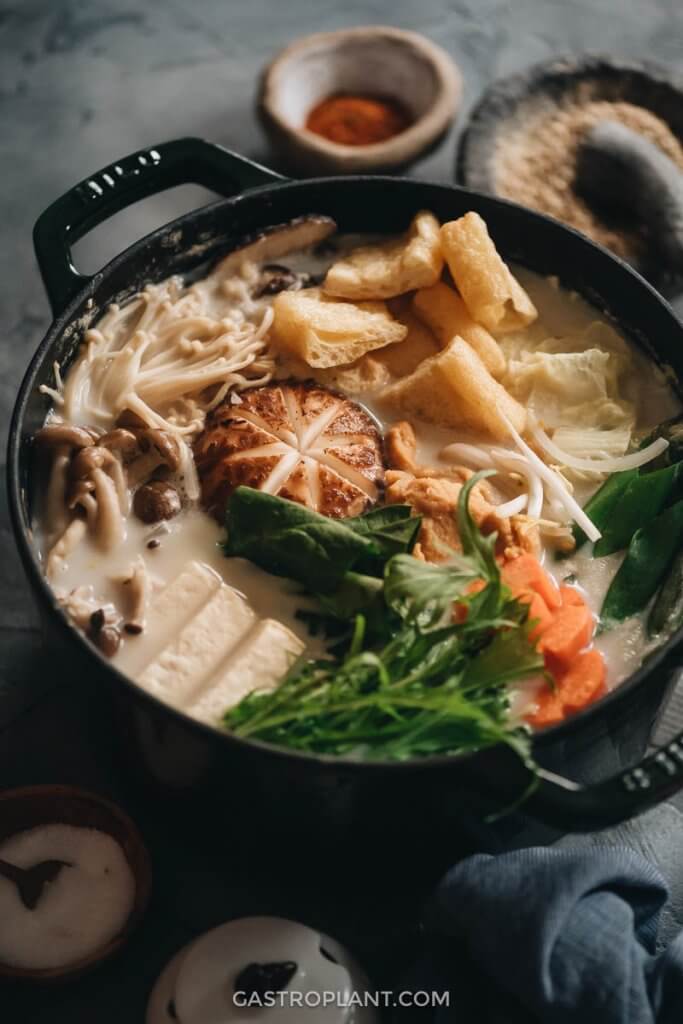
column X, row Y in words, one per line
column 410, row 678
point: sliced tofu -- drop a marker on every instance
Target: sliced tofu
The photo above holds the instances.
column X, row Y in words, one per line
column 180, row 668
column 172, row 609
column 258, row 664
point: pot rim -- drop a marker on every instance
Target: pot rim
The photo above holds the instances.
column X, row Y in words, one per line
column 45, row 594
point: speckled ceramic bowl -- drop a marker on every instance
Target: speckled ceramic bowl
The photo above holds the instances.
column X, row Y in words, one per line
column 32, row 806
column 379, row 61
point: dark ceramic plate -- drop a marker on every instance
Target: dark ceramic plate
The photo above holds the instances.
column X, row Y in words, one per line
column 656, row 88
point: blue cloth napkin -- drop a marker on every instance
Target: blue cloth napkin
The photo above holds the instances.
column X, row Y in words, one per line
column 551, row 935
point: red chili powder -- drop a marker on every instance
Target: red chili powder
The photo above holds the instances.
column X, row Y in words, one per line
column 357, row 120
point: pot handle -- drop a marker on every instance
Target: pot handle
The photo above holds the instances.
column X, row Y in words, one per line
column 142, row 174
column 574, row 807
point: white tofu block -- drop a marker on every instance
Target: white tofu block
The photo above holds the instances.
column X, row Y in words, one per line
column 181, row 667
column 169, row 611
column 258, row 664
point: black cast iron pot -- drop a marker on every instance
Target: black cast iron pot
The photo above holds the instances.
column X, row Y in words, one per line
column 182, row 758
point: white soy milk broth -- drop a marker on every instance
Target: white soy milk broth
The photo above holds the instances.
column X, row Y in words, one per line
column 192, row 535
column 195, row 536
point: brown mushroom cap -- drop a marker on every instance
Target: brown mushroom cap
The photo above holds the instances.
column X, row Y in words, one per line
column 155, row 501
column 123, row 442
column 89, row 459
column 163, row 443
column 55, row 434
column 130, row 420
column 276, row 278
column 297, row 440
column 103, row 629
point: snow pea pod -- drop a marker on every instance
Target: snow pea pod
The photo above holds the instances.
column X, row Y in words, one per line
column 601, row 507
column 666, row 614
column 638, row 502
column 646, row 563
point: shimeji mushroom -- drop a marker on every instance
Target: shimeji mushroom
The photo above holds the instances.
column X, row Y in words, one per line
column 100, row 467
column 136, row 585
column 156, row 448
column 63, row 440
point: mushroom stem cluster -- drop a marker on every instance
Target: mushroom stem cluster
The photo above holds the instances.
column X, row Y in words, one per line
column 91, row 479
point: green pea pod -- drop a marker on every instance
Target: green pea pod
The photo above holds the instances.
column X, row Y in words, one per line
column 641, row 500
column 666, row 614
column 602, row 505
column 647, row 560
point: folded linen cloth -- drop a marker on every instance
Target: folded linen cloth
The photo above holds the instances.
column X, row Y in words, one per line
column 551, row 935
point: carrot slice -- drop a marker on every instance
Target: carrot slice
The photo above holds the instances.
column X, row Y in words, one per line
column 583, row 682
column 526, row 573
column 570, row 595
column 538, row 612
column 475, row 587
column 570, row 631
column 549, row 710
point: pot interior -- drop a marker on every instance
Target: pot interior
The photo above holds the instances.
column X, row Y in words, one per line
column 191, row 244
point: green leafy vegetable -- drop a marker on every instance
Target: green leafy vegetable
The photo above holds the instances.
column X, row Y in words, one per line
column 288, row 539
column 601, row 508
column 640, row 500
column 666, row 614
column 410, row 681
column 647, row 560
column 393, row 529
column 424, row 593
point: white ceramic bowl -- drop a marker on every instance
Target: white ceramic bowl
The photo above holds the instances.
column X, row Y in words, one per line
column 377, row 60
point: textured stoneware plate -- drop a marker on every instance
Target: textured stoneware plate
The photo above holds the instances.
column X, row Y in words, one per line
column 512, row 105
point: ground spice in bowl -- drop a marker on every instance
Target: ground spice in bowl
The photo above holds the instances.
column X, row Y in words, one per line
column 357, row 120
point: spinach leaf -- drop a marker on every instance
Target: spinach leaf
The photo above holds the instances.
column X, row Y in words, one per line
column 393, row 529
column 420, row 684
column 648, row 557
column 640, row 501
column 288, row 539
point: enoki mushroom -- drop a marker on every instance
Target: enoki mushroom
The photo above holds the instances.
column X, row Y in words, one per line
column 169, row 356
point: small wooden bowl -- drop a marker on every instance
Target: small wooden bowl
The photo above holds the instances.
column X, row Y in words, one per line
column 377, row 60
column 31, row 806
